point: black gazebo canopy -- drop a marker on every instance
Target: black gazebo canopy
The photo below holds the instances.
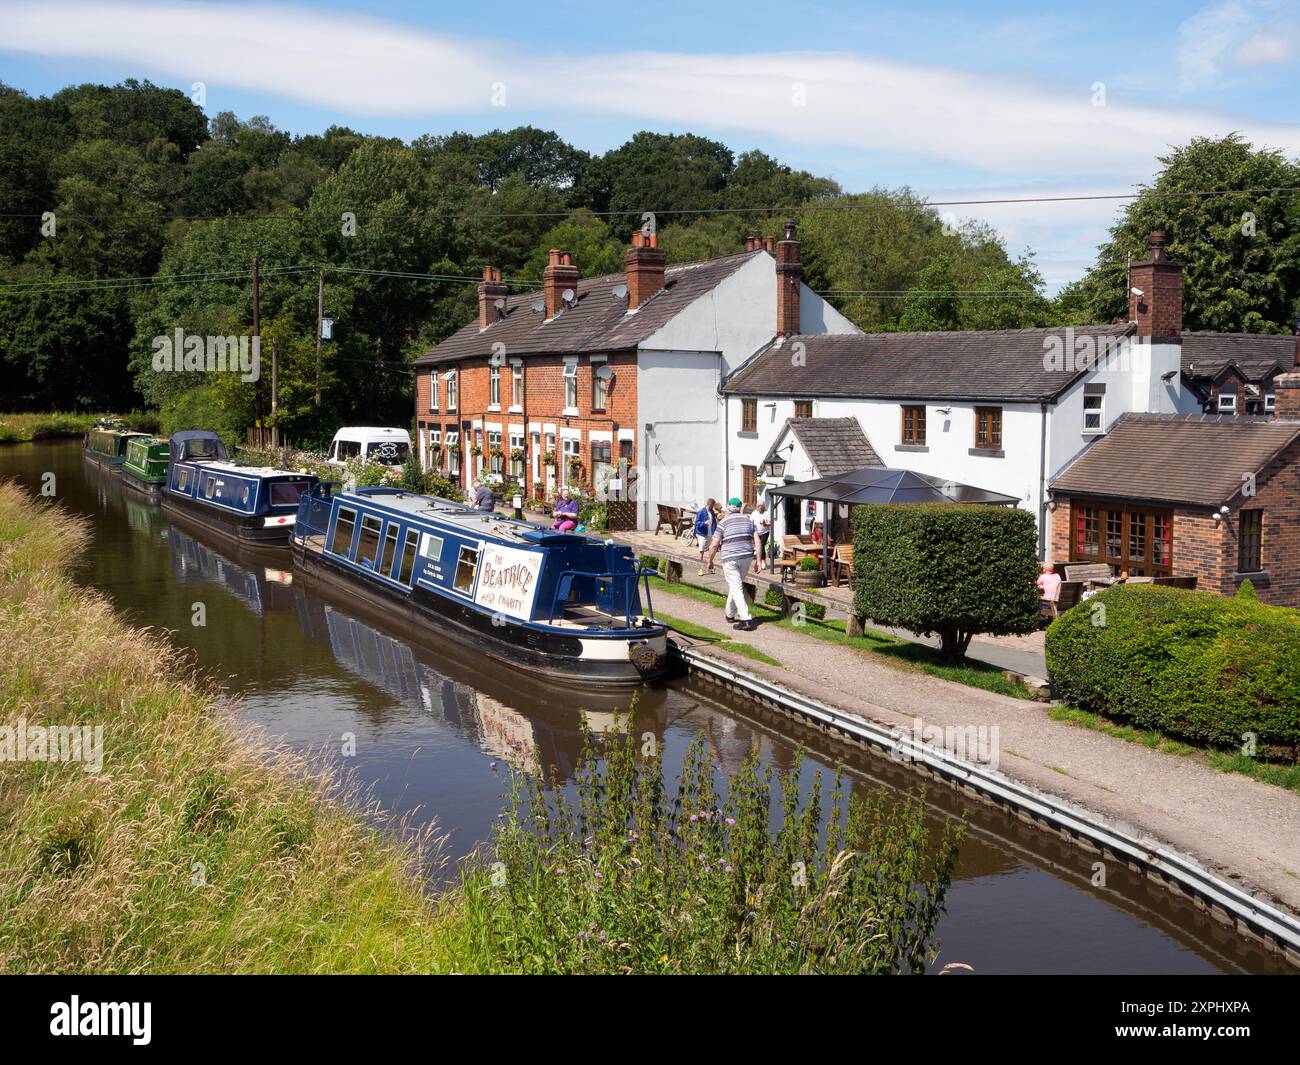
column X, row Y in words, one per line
column 879, row 484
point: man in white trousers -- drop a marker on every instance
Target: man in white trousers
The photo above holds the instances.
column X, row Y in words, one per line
column 737, row 539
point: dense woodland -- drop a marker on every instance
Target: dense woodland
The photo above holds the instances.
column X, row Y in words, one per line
column 127, row 214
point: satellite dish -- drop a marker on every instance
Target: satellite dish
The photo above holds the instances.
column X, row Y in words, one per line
column 500, row 305
column 567, row 295
column 619, row 292
column 539, row 306
column 604, row 372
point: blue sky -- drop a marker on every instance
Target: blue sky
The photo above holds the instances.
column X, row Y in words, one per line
column 955, row 102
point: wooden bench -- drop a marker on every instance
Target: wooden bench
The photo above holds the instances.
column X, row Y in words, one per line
column 1067, row 597
column 1177, row 582
column 674, row 517
column 1089, row 571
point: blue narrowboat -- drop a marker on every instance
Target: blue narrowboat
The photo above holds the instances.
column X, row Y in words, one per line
column 254, row 505
column 559, row 605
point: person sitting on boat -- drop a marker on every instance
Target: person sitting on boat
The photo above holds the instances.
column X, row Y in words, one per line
column 566, row 512
column 483, row 497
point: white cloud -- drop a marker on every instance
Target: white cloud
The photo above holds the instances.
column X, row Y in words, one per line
column 1249, row 33
column 1272, row 48
column 362, row 66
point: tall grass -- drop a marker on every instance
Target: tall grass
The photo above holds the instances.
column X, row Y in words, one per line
column 199, row 848
column 23, row 428
column 196, row 848
column 627, row 877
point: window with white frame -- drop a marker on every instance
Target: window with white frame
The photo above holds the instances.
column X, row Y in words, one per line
column 453, row 440
column 452, row 390
column 433, row 390
column 435, row 448
column 494, row 386
column 571, row 386
column 1227, row 402
column 1094, row 412
column 495, row 461
column 517, row 386
column 1269, row 400
column 517, row 456
column 572, row 454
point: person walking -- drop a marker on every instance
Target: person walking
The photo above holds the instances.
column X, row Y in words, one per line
column 737, row 540
column 706, row 521
column 763, row 526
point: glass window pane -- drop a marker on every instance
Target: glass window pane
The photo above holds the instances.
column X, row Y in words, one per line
column 343, row 526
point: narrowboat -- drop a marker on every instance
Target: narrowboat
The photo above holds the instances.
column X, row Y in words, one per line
column 106, row 443
column 255, row 506
column 559, row 605
column 145, row 465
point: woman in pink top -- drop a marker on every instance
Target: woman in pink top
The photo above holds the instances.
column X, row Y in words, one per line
column 1049, row 583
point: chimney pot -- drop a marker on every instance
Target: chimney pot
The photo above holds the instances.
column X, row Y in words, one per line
column 1158, row 312
column 559, row 274
column 645, row 268
column 789, row 280
column 490, row 290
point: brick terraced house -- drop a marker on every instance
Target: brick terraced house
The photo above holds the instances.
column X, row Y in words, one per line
column 1211, row 496
column 591, row 371
column 1234, row 373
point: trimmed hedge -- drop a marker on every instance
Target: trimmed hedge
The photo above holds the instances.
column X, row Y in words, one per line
column 945, row 570
column 1194, row 665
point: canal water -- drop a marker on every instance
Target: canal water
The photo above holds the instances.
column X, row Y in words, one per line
column 436, row 730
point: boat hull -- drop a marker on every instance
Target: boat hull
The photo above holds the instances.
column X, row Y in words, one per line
column 557, row 657
column 108, row 462
column 247, row 530
column 152, row 489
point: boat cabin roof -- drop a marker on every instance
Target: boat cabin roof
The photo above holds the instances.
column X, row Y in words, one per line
column 471, row 521
column 249, row 471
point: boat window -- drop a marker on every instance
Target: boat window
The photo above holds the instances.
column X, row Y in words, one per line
column 408, row 556
column 466, row 564
column 368, row 544
column 432, row 547
column 286, row 493
column 390, row 549
column 209, row 487
column 182, row 480
column 343, row 526
column 245, row 495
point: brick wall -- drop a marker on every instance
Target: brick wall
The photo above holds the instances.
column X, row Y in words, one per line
column 1207, row 549
column 543, row 403
column 1159, row 311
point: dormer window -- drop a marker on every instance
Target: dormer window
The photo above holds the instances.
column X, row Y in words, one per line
column 1227, row 402
column 1269, row 399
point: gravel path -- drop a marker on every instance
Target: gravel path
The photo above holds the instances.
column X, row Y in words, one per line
column 1238, row 826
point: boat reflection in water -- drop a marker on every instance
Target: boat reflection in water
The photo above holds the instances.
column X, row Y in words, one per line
column 112, row 496
column 476, row 697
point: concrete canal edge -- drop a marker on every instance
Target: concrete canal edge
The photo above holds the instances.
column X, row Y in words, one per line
column 1273, row 928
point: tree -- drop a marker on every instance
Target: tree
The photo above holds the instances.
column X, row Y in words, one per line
column 946, row 570
column 932, row 302
column 1241, row 248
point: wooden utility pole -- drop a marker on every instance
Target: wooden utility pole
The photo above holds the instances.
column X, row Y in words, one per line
column 275, row 391
column 257, row 344
column 320, row 318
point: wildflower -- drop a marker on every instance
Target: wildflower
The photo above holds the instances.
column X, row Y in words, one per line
column 731, row 820
column 695, row 817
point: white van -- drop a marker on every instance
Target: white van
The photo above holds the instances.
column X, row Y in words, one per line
column 387, row 447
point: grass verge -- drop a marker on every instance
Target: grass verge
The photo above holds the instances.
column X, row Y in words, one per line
column 195, row 848
column 718, row 639
column 901, row 653
column 50, row 425
column 1284, row 776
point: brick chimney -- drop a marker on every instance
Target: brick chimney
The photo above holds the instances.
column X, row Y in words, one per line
column 789, row 276
column 560, row 273
column 754, row 243
column 1286, row 387
column 645, row 268
column 490, row 290
column 1158, row 312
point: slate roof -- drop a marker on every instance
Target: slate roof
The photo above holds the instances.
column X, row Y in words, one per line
column 596, row 323
column 834, row 445
column 1193, row 459
column 1001, row 365
column 1205, row 355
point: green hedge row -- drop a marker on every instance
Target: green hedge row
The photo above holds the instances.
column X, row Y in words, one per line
column 1194, row 665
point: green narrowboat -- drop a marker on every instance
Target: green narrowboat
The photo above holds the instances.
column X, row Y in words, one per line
column 106, row 444
column 145, row 465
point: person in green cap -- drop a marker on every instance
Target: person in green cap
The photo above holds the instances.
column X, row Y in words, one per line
column 737, row 539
